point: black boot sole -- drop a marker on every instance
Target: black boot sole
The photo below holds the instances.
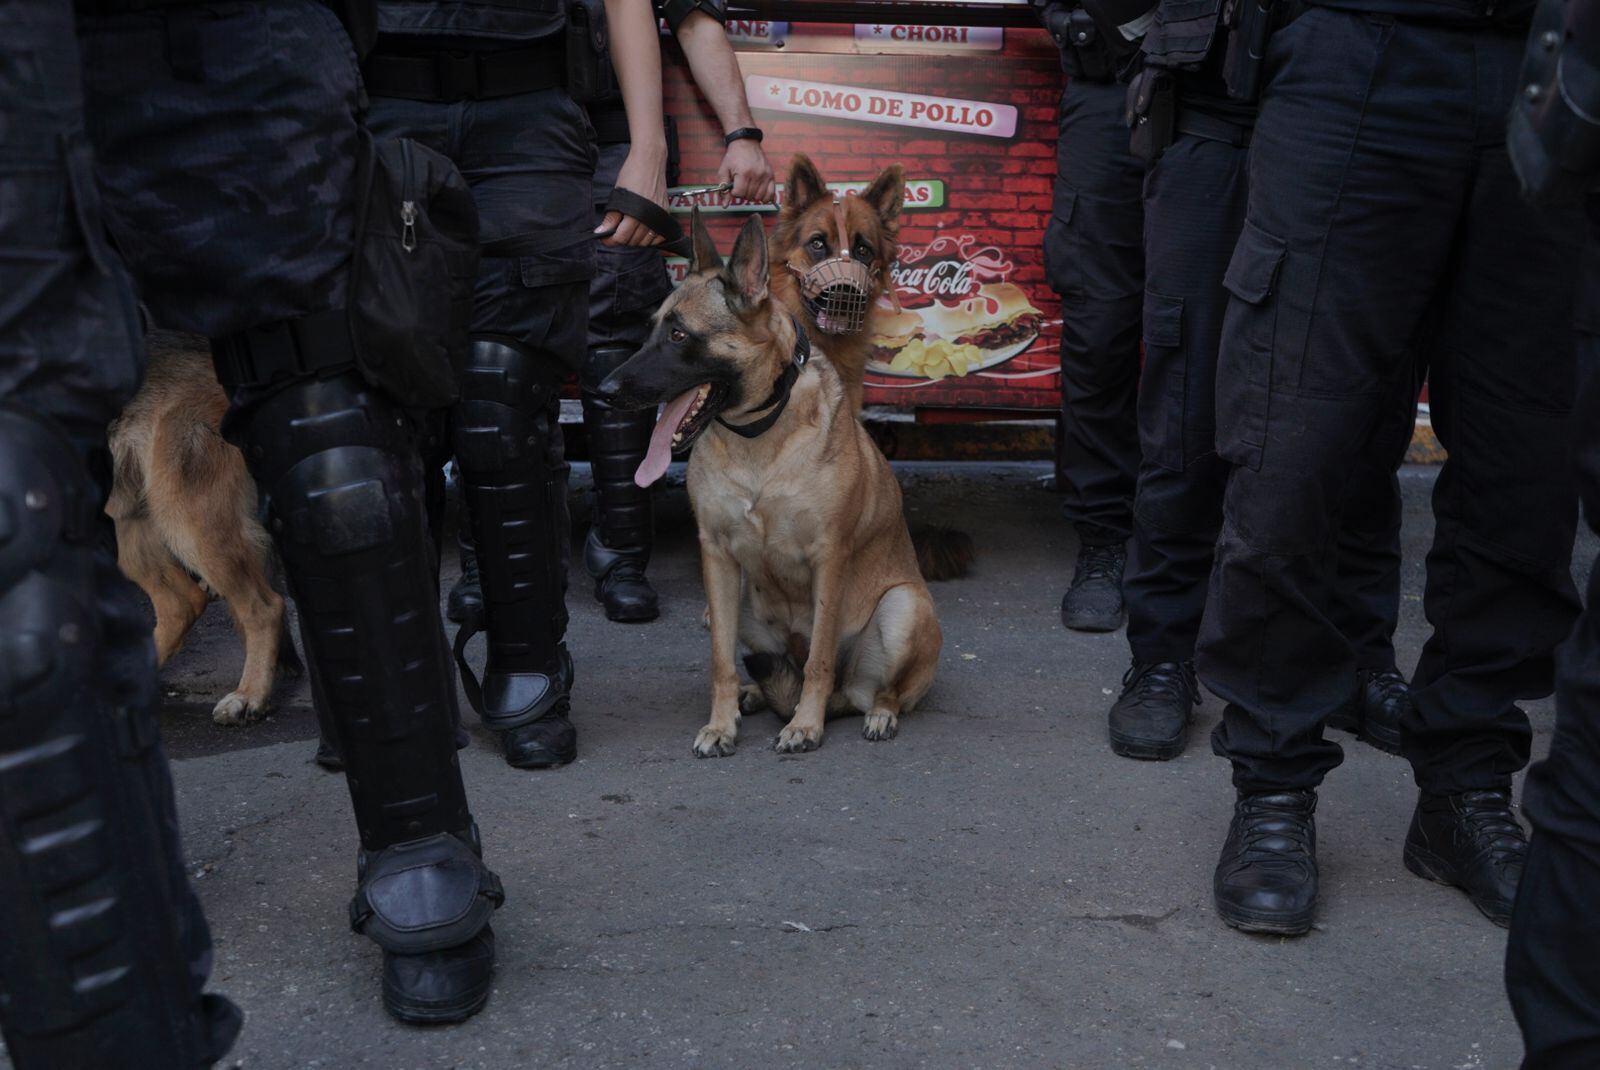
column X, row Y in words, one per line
column 1272, row 925
column 631, row 614
column 1430, row 867
column 546, row 759
column 1146, row 750
column 1091, row 622
column 435, row 1013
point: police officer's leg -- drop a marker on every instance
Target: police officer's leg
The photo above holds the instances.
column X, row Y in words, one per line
column 243, row 231
column 1553, row 954
column 1353, row 199
column 628, row 286
column 1366, row 604
column 1094, row 253
column 1499, row 591
column 1194, row 209
column 529, row 161
column 105, row 950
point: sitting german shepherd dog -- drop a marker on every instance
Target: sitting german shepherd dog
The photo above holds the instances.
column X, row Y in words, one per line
column 803, row 544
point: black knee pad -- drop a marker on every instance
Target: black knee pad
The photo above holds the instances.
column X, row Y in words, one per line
column 345, row 504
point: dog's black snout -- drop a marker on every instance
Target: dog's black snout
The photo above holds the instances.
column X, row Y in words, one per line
column 610, row 388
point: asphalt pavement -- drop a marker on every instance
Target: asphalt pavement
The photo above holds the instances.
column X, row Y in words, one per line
column 991, row 889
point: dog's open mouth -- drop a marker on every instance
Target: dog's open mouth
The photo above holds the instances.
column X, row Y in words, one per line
column 680, row 423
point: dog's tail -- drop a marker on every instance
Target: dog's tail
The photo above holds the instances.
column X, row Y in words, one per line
column 943, row 553
column 780, row 679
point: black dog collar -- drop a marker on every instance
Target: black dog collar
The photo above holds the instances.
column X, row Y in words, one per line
column 778, row 400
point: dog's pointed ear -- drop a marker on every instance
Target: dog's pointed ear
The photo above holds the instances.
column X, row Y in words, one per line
column 746, row 273
column 705, row 257
column 887, row 194
column 804, row 187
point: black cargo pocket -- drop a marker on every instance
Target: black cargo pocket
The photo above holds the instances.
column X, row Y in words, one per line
column 1062, row 259
column 1165, row 378
column 1244, row 365
column 641, row 284
column 569, row 262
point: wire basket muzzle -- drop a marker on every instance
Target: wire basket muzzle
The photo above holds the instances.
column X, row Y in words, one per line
column 835, row 292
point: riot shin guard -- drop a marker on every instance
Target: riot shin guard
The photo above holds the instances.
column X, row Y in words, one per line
column 618, row 547
column 340, row 469
column 105, row 949
column 508, row 446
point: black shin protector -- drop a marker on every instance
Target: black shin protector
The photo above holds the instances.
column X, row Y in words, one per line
column 508, row 446
column 618, row 547
column 340, row 469
column 105, row 950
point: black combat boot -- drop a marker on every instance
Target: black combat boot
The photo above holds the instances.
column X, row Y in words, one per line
column 618, row 548
column 1373, row 715
column 1471, row 841
column 507, row 435
column 1150, row 719
column 1266, row 880
column 1094, row 601
column 466, row 596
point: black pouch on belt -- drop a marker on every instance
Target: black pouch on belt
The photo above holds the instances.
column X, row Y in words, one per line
column 1151, row 113
column 590, row 76
column 1094, row 58
column 411, row 274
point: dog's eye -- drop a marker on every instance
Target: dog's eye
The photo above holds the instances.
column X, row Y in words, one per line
column 817, row 245
column 863, row 252
column 677, row 334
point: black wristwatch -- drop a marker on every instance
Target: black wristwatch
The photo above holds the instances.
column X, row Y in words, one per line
column 753, row 133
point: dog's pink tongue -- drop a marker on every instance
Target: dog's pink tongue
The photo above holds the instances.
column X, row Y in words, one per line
column 659, row 456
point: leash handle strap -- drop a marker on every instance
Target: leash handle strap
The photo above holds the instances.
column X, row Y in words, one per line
column 651, row 215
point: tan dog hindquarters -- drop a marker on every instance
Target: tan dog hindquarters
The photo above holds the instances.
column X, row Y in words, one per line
column 185, row 512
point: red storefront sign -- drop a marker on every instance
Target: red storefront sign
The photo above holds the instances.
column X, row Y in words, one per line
column 970, row 113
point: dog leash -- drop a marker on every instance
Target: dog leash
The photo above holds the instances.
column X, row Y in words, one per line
column 778, row 400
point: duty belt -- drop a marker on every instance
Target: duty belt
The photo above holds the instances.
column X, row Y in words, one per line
column 286, row 349
column 1200, row 124
column 458, row 74
column 126, row 7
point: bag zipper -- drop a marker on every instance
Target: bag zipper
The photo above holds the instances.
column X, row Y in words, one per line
column 408, row 208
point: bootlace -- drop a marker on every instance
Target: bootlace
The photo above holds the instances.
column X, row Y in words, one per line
column 1264, row 816
column 625, row 570
column 1490, row 823
column 1162, row 680
column 1390, row 684
column 1099, row 563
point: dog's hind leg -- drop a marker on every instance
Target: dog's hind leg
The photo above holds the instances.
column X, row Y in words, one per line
column 206, row 509
column 893, row 665
column 177, row 599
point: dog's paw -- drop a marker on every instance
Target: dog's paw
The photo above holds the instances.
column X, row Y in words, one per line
column 715, row 742
column 235, row 709
column 880, row 725
column 796, row 738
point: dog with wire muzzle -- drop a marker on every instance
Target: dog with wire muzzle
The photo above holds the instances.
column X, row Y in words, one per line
column 831, row 260
column 804, row 548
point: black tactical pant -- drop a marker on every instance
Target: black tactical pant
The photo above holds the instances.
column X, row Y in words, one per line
column 1385, row 227
column 529, row 160
column 629, row 284
column 1194, row 208
column 1094, row 255
column 1553, row 959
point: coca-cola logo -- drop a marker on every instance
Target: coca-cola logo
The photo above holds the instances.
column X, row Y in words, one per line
column 947, row 269
column 945, row 279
